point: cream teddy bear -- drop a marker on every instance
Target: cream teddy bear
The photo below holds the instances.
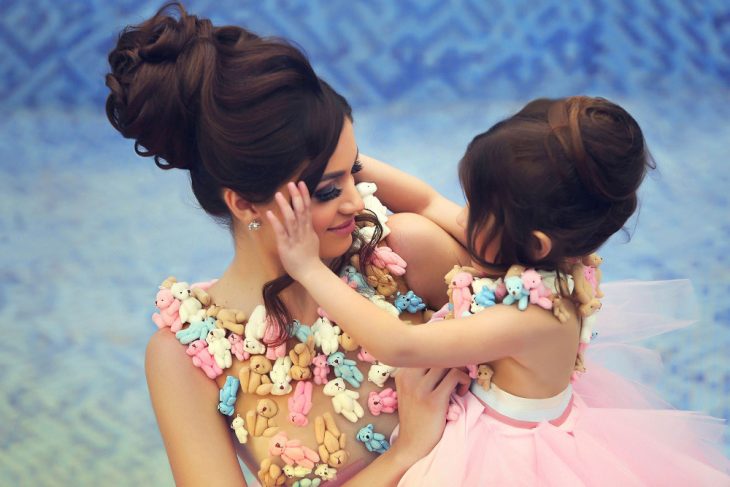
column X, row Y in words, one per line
column 255, row 330
column 219, row 347
column 190, row 308
column 372, row 203
column 326, row 335
column 344, row 400
column 380, row 373
column 238, row 426
column 280, row 379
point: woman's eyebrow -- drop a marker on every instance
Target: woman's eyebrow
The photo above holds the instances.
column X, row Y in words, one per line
column 337, row 174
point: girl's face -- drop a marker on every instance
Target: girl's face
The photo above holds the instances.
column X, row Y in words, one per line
column 335, row 200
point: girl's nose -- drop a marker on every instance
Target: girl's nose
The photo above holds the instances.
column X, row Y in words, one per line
column 352, row 201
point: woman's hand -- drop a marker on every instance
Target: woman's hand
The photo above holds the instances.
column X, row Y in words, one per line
column 296, row 241
column 423, row 398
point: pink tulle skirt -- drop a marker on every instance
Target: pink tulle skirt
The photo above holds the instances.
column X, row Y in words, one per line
column 614, row 432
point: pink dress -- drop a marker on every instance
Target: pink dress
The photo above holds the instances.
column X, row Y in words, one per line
column 603, row 430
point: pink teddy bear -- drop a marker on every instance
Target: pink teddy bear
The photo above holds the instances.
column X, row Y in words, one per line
column 292, row 451
column 460, row 293
column 271, row 334
column 237, row 347
column 365, row 356
column 169, row 310
column 300, row 403
column 385, row 401
column 203, row 359
column 321, row 369
column 539, row 294
column 384, row 257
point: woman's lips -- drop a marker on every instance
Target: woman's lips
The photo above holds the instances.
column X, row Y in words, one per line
column 344, row 229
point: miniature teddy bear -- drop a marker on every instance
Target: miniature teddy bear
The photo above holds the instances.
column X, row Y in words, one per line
column 270, row 474
column 374, row 442
column 197, row 330
column 385, row 401
column 261, row 421
column 484, row 376
column 167, row 283
column 190, row 308
column 325, row 472
column 307, row 482
column 331, row 442
column 345, row 368
column 381, row 303
column 280, row 381
column 253, row 374
column 409, row 302
column 482, row 298
column 219, row 347
column 592, row 272
column 300, row 403
column 228, row 319
column 539, row 293
column 379, row 374
column 292, row 471
column 238, row 427
column 227, row 395
column 237, row 347
column 365, row 356
column 516, row 293
column 356, row 281
column 384, row 258
column 372, row 203
column 460, row 293
column 292, row 451
column 347, row 343
column 169, row 310
column 325, row 335
column 270, row 339
column 198, row 350
column 377, row 278
column 255, row 330
column 321, row 369
column 583, row 291
column 344, row 401
column 301, row 357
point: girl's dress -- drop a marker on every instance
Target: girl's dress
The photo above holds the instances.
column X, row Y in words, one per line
column 605, row 429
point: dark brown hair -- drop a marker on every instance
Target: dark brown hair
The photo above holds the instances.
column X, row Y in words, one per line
column 569, row 168
column 236, row 110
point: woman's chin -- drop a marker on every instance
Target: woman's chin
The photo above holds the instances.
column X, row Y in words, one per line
column 335, row 247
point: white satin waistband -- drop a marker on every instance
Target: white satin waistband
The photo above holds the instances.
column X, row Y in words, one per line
column 521, row 408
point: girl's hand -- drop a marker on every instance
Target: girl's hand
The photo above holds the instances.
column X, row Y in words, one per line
column 423, row 398
column 296, row 240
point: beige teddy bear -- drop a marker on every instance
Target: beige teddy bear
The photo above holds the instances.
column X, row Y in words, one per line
column 253, row 373
column 270, row 474
column 484, row 376
column 347, row 342
column 301, row 357
column 228, row 319
column 583, row 291
column 330, row 440
column 261, row 421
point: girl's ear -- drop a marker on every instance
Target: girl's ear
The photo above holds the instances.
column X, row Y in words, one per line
column 541, row 245
column 240, row 208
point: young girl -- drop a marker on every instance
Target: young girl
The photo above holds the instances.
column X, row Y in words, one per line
column 545, row 189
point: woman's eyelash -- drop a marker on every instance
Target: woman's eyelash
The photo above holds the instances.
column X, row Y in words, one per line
column 328, row 193
column 357, row 167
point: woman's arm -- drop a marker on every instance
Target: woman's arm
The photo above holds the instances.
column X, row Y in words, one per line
column 423, row 397
column 402, row 192
column 196, row 436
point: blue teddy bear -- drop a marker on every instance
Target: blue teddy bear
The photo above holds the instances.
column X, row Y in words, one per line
column 345, row 368
column 516, row 293
column 409, row 302
column 374, row 442
column 308, row 482
column 301, row 332
column 197, row 330
column 357, row 281
column 228, row 395
column 485, row 297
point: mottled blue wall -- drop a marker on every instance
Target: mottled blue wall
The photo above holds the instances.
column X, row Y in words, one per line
column 382, row 51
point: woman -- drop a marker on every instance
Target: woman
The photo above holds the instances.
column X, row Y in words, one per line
column 244, row 115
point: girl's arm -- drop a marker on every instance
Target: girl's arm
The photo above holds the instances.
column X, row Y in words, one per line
column 401, row 192
column 494, row 333
column 196, row 437
column 423, row 397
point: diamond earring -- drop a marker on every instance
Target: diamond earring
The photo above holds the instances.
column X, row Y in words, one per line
column 254, row 225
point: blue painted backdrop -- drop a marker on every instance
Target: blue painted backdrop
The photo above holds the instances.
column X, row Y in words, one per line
column 87, row 229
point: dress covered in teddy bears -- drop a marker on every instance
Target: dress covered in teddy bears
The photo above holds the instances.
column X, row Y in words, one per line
column 604, row 429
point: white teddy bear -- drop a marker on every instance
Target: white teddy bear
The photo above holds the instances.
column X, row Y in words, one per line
column 255, row 330
column 190, row 308
column 298, row 471
column 238, row 426
column 372, row 203
column 344, row 400
column 381, row 303
column 219, row 347
column 279, row 375
column 379, row 373
column 325, row 472
column 477, row 285
column 326, row 335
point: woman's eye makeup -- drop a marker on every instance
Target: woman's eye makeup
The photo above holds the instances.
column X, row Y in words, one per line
column 357, row 167
column 328, row 193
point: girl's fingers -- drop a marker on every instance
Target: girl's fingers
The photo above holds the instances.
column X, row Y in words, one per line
column 453, row 378
column 432, row 377
column 305, row 194
column 279, row 230
column 290, row 220
column 297, row 202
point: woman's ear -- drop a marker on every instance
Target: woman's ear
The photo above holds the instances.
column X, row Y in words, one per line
column 240, row 208
column 542, row 245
